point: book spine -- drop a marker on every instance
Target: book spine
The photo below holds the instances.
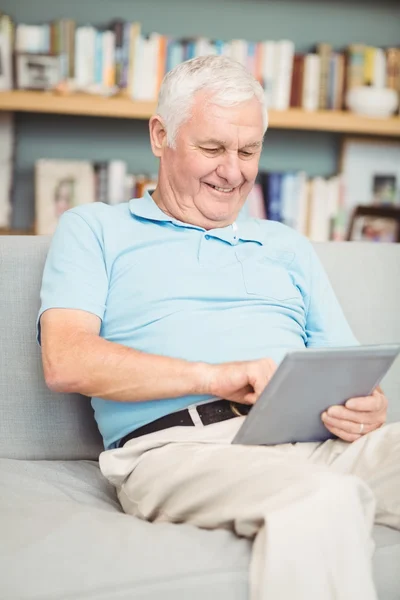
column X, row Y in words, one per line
column 162, row 61
column 135, row 55
column 324, row 52
column 239, row 51
column 274, row 197
column 319, row 213
column 369, row 63
column 393, row 68
column 268, row 71
column 310, row 97
column 284, row 68
column 251, row 58
column 355, row 58
column 301, row 201
column 297, row 81
column 379, row 78
column 332, row 78
column 80, row 57
column 7, row 33
column 258, row 63
column 339, row 82
column 108, row 70
column 101, row 181
column 98, row 57
column 123, row 84
column 116, row 181
column 71, row 48
column 153, row 66
column 63, row 49
column 118, row 28
column 288, row 199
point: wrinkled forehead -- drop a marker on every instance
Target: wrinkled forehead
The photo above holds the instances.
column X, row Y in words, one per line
column 241, row 123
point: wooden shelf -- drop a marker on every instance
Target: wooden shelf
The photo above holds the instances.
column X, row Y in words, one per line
column 123, row 108
column 16, row 231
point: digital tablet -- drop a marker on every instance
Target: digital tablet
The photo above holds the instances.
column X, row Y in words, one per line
column 306, row 383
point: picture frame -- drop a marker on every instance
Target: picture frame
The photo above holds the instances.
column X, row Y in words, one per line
column 370, row 170
column 37, row 71
column 59, row 186
column 375, row 224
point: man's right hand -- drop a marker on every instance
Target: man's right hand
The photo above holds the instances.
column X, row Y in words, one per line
column 239, row 381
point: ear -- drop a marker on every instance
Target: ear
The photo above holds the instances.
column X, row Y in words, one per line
column 158, row 135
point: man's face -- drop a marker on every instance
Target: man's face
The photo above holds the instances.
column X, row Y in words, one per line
column 210, row 172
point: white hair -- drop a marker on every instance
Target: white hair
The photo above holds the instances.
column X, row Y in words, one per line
column 227, row 80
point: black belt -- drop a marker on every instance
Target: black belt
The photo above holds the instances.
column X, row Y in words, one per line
column 213, row 412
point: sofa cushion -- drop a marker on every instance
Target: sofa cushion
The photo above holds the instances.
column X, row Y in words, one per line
column 62, row 523
column 64, row 537
column 35, row 422
column 366, row 280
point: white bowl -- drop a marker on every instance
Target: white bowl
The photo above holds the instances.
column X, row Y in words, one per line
column 372, row 102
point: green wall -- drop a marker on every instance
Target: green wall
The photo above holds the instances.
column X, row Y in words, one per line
column 306, row 22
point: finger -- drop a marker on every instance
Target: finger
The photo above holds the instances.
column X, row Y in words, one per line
column 372, row 403
column 344, row 435
column 347, row 426
column 245, row 395
column 250, row 398
column 344, row 414
column 258, row 385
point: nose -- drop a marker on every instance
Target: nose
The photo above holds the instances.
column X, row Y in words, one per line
column 229, row 169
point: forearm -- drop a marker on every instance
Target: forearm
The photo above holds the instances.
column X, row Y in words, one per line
column 96, row 367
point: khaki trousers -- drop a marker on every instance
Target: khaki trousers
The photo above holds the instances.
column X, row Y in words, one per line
column 310, row 508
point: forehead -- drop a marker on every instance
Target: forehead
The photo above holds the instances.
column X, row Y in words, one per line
column 243, row 121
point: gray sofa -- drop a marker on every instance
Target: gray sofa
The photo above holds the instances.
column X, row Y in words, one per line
column 63, row 534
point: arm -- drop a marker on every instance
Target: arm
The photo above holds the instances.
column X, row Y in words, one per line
column 76, row 359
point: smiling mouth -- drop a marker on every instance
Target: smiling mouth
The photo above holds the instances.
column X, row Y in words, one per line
column 221, row 189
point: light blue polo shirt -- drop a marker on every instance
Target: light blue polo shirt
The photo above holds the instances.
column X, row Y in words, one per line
column 250, row 290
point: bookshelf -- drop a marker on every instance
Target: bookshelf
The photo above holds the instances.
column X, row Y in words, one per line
column 123, row 108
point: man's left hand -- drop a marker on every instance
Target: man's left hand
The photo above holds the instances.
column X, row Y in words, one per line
column 357, row 417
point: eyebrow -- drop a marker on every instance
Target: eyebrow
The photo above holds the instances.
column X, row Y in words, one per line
column 253, row 145
column 223, row 143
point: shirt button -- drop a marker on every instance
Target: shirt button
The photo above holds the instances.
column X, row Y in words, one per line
column 207, row 237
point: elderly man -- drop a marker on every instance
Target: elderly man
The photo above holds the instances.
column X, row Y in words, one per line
column 171, row 312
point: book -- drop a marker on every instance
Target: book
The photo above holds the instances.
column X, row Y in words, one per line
column 320, row 213
column 296, row 91
column 100, row 169
column 324, row 51
column 273, row 194
column 59, row 186
column 7, row 31
column 283, row 74
column 255, row 205
column 7, row 136
column 116, row 174
column 268, row 71
column 311, row 78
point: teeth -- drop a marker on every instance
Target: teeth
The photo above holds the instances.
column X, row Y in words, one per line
column 226, row 190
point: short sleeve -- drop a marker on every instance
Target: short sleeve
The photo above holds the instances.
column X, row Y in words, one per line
column 326, row 324
column 75, row 274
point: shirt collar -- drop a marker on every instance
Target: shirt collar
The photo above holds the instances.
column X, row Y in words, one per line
column 247, row 229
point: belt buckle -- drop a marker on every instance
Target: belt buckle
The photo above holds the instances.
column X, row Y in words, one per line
column 235, row 410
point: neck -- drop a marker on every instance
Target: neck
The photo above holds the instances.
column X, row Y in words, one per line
column 187, row 214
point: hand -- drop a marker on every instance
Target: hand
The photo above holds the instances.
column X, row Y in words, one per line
column 345, row 421
column 240, row 381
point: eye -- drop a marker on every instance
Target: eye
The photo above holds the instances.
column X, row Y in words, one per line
column 246, row 154
column 210, row 150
